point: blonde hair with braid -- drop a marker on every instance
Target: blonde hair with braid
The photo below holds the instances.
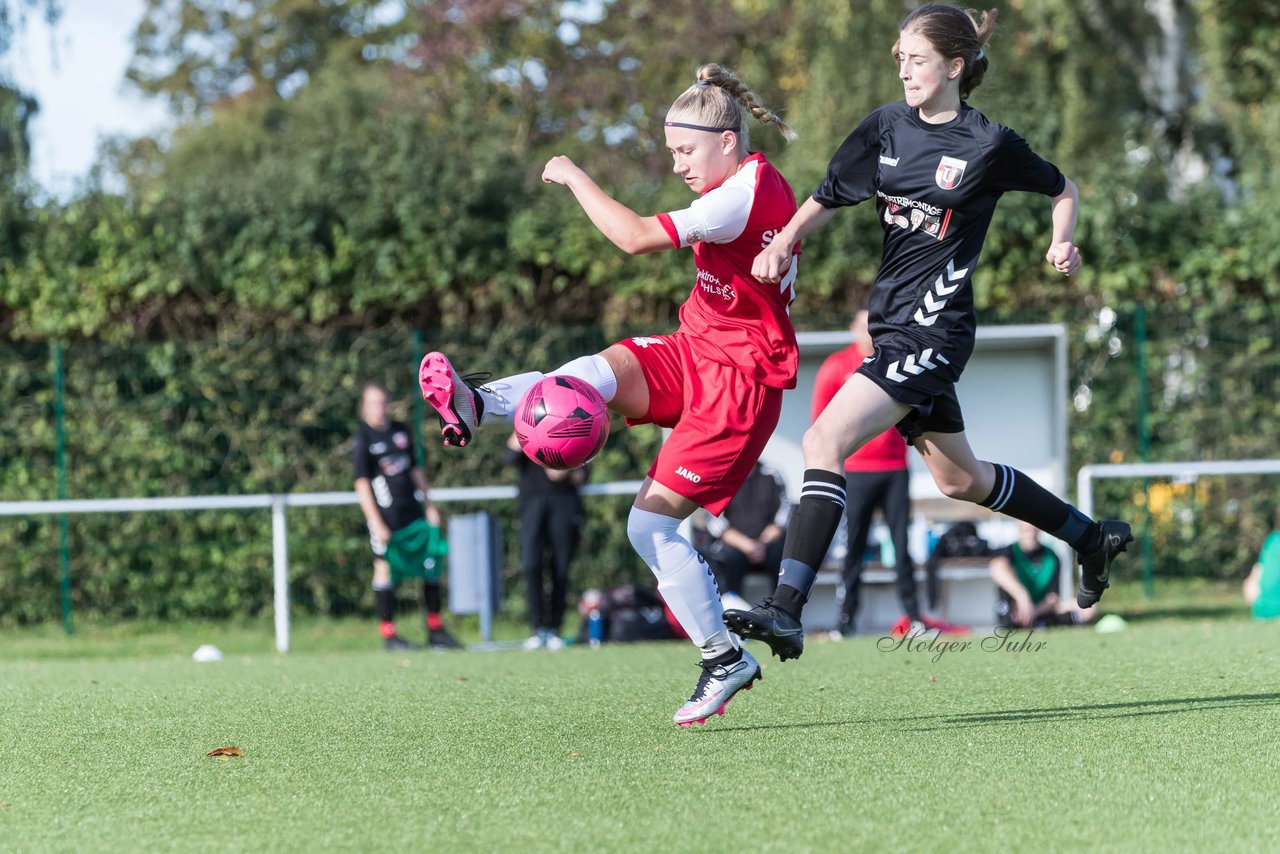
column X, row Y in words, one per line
column 718, row 100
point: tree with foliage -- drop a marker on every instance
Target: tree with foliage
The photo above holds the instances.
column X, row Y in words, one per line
column 196, row 53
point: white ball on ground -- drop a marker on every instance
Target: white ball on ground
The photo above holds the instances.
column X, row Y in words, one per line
column 1109, row 623
column 207, row 652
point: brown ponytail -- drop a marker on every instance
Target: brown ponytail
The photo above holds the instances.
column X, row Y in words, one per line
column 955, row 32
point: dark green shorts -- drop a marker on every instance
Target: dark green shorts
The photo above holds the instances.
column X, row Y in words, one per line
column 416, row 551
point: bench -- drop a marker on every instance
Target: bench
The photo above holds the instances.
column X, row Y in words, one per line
column 966, row 595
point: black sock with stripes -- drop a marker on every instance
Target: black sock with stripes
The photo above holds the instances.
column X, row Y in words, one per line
column 813, row 525
column 1017, row 495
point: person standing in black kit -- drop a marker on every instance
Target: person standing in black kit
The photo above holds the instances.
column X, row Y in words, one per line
column 404, row 526
column 936, row 168
column 551, row 516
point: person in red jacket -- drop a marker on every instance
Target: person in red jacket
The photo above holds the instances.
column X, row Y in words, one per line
column 875, row 477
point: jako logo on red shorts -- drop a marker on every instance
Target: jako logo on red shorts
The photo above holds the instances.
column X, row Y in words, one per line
column 688, row 475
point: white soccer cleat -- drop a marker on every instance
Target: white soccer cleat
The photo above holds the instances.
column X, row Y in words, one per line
column 716, row 687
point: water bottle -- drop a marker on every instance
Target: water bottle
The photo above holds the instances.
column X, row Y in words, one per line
column 595, row 627
column 888, row 554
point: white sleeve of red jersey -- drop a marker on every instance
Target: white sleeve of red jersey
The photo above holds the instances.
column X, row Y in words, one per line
column 718, row 217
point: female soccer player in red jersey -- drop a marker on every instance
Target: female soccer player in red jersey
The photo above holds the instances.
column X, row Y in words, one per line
column 936, row 168
column 717, row 381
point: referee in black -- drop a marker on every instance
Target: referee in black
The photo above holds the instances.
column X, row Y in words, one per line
column 404, row 526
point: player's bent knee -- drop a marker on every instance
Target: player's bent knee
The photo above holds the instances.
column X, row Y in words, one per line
column 649, row 531
column 820, row 448
column 960, row 488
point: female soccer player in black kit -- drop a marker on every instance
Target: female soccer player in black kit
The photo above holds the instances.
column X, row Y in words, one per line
column 936, row 168
column 404, row 526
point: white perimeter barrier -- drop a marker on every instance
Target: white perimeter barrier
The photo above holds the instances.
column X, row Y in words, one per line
column 279, row 523
column 1187, row 470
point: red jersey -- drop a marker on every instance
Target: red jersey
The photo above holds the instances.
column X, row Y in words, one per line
column 731, row 317
column 886, row 452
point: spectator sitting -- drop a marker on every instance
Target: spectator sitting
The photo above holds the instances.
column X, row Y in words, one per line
column 1262, row 587
column 1027, row 574
column 749, row 534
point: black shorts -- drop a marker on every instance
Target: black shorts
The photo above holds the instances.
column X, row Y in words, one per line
column 923, row 377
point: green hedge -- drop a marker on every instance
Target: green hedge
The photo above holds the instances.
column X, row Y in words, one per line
column 236, row 417
column 276, row 415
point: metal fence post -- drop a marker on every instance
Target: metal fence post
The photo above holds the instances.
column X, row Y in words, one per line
column 280, row 565
column 1144, row 448
column 60, row 465
column 419, row 413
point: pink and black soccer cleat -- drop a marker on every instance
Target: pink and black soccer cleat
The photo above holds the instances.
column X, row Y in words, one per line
column 453, row 399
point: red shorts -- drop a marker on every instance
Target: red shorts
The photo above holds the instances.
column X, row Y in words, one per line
column 720, row 419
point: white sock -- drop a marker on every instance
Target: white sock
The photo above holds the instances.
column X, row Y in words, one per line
column 501, row 396
column 595, row 371
column 684, row 580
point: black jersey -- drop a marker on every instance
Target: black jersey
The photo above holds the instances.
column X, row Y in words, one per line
column 385, row 457
column 936, row 188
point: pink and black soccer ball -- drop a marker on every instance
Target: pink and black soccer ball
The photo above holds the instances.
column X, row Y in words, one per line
column 562, row 423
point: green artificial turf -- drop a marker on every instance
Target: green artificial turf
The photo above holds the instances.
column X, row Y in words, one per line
column 1161, row 736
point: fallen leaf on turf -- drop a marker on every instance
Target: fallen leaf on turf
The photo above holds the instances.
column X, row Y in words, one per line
column 4, row 805
column 219, row 752
column 933, row 678
column 575, row 753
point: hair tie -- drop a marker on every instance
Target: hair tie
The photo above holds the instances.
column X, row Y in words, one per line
column 701, row 84
column 980, row 55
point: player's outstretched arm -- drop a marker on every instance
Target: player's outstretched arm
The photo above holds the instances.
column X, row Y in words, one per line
column 774, row 260
column 626, row 229
column 1063, row 254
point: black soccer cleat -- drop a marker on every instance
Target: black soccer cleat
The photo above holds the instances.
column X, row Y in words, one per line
column 395, row 643
column 1095, row 565
column 768, row 623
column 441, row 639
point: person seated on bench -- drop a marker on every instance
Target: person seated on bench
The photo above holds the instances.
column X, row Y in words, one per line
column 1262, row 587
column 1027, row 574
column 749, row 533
